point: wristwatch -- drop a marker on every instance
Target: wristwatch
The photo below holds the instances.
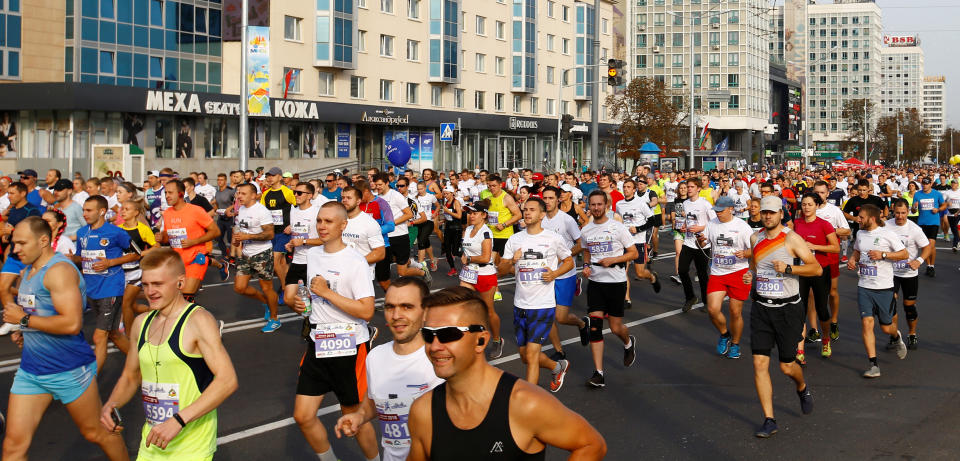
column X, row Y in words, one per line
column 24, row 320
column 788, row 270
column 883, row 256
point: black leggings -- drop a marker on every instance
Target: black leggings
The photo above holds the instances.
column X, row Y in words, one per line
column 821, row 293
column 424, row 230
column 452, row 239
column 701, row 259
column 953, row 221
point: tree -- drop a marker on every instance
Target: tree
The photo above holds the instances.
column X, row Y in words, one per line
column 916, row 138
column 647, row 113
column 945, row 141
column 854, row 115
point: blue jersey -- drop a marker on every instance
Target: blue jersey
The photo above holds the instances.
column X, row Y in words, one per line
column 107, row 241
column 34, row 198
column 335, row 195
column 44, row 353
column 926, row 202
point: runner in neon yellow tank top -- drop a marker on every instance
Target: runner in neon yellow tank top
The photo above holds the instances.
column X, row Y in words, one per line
column 503, row 213
column 181, row 368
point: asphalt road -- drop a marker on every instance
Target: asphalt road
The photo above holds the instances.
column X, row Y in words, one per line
column 678, row 401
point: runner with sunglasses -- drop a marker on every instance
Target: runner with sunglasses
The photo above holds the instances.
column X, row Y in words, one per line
column 478, row 271
column 397, row 372
column 336, row 333
column 506, row 417
column 303, row 236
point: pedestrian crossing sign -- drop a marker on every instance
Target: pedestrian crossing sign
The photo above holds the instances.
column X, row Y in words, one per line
column 446, row 131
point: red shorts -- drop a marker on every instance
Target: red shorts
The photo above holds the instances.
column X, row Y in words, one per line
column 485, row 283
column 835, row 269
column 732, row 284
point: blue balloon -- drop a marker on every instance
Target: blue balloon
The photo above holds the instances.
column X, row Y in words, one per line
column 398, row 152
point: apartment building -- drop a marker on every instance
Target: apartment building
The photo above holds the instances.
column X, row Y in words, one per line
column 934, row 109
column 901, row 75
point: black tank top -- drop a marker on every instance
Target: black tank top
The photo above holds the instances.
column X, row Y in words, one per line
column 491, row 439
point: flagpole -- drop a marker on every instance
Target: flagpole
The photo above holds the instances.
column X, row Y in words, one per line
column 244, row 137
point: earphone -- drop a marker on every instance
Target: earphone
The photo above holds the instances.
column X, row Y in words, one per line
column 480, row 342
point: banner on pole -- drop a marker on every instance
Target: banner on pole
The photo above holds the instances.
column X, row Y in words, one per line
column 258, row 70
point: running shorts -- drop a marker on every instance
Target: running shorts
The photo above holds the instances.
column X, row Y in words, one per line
column 533, row 325
column 346, row 376
column 732, row 284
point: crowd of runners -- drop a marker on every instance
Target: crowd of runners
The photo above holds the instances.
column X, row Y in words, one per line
column 131, row 259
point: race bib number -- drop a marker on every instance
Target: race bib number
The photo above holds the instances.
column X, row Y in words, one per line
column 770, row 284
column 955, row 203
column 160, row 401
column 29, row 305
column 901, row 266
column 926, row 204
column 89, row 257
column 177, row 235
column 469, row 274
column 600, row 248
column 335, row 340
column 678, row 224
column 300, row 231
column 530, row 271
column 393, row 415
column 868, row 270
column 493, row 217
column 221, row 211
column 277, row 216
column 131, row 265
column 724, row 260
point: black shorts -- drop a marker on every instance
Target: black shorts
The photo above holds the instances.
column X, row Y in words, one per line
column 641, row 253
column 909, row 285
column 399, row 250
column 499, row 245
column 931, row 230
column 295, row 273
column 346, row 377
column 424, row 230
column 606, row 297
column 776, row 326
column 657, row 220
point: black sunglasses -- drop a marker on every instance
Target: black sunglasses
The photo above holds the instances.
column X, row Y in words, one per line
column 401, row 185
column 448, row 334
column 331, row 180
column 300, row 192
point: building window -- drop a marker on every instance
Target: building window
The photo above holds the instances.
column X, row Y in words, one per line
column 413, row 50
column 714, row 59
column 551, row 107
column 603, row 25
column 713, row 105
column 517, row 103
column 550, row 38
column 326, row 84
column 733, row 59
column 658, row 60
column 356, row 86
column 480, row 63
column 478, row 99
column 413, row 93
column 361, row 41
column 386, row 90
column 534, row 102
column 386, row 6
column 458, row 98
column 436, row 96
column 676, row 81
column 733, row 17
column 386, row 46
column 565, row 46
column 550, row 6
column 733, row 80
column 733, row 38
column 481, row 25
column 107, row 62
column 714, row 80
column 294, row 86
column 550, row 70
column 678, row 39
column 500, row 25
column 291, row 28
column 500, row 64
column 413, row 9
column 734, row 102
column 677, row 60
column 565, row 13
column 641, row 61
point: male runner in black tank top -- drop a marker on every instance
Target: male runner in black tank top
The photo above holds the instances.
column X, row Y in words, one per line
column 506, row 418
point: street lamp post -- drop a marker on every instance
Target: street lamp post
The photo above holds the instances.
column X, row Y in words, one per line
column 244, row 125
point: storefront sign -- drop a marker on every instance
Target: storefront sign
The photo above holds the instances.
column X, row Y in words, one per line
column 343, row 140
column 522, row 124
column 385, row 116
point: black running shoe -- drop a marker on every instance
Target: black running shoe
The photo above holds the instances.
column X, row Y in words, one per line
column 585, row 331
column 688, row 304
column 627, row 304
column 556, row 356
column 813, row 335
column 931, row 272
column 596, row 380
column 806, row 400
column 768, row 429
column 656, row 282
column 834, row 331
column 912, row 342
column 630, row 353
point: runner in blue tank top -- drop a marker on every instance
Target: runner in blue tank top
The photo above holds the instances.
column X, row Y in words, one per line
column 57, row 363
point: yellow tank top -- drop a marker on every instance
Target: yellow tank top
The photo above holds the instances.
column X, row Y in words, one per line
column 707, row 194
column 499, row 213
column 173, row 379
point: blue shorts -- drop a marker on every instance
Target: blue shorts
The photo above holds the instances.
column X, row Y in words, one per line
column 12, row 266
column 563, row 290
column 533, row 325
column 65, row 386
column 877, row 302
column 280, row 242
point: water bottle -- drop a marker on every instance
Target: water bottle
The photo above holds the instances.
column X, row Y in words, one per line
column 304, row 293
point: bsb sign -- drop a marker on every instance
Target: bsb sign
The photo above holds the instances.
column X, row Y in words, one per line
column 900, row 40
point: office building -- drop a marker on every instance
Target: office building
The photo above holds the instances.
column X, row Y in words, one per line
column 901, row 75
column 935, row 105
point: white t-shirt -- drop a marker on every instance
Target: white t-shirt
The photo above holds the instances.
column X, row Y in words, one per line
column 670, row 190
column 397, row 203
column 340, row 269
column 473, row 247
column 540, row 253
column 727, row 238
column 876, row 275
column 741, row 203
column 207, row 191
column 912, row 237
column 251, row 221
column 833, row 215
column 428, row 205
column 65, row 246
column 363, row 234
column 567, row 229
column 303, row 225
column 696, row 213
column 5, row 202
column 635, row 213
column 79, row 197
column 319, row 200
column 468, row 190
column 393, row 383
column 606, row 240
column 952, row 197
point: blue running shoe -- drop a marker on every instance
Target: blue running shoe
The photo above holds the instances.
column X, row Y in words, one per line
column 280, row 299
column 266, row 312
column 734, row 352
column 723, row 346
column 224, row 270
column 271, row 326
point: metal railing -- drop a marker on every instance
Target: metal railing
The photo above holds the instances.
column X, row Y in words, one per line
column 307, row 175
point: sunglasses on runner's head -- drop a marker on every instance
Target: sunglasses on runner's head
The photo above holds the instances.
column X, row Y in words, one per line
column 448, row 334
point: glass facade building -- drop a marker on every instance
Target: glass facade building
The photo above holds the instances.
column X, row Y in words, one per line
column 336, row 34
column 586, row 55
column 145, row 43
column 524, row 46
column 10, row 39
column 444, row 41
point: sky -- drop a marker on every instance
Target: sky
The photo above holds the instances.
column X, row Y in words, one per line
column 937, row 23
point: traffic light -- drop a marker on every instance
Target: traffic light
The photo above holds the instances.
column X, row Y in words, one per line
column 456, row 137
column 566, row 122
column 615, row 72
